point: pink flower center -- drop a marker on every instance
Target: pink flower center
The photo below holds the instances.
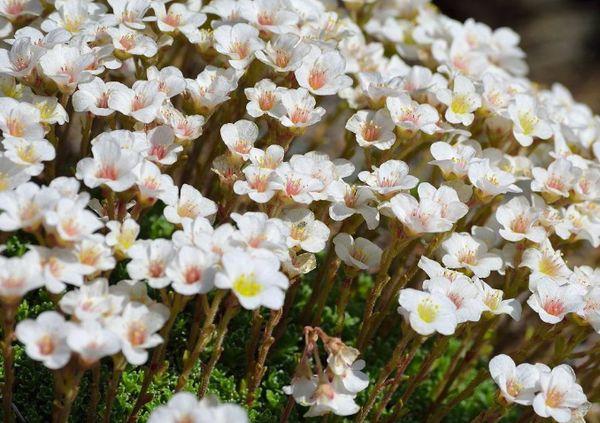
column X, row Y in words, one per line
column 192, row 275
column 299, row 115
column 266, row 101
column 554, row 307
column 108, row 171
column 293, row 187
column 46, row 345
column 316, row 78
column 136, row 333
column 156, row 269
column 371, row 131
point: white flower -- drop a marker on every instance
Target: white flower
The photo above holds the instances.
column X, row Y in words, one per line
column 492, row 299
column 347, row 200
column 545, row 263
column 462, row 101
column 560, row 394
column 360, row 252
column 59, row 266
column 372, row 128
column 93, row 253
column 122, row 236
column 453, row 159
column 184, row 406
column 436, row 210
column 137, row 327
column 553, row 301
column 491, row 180
column 110, row 165
column 392, row 176
column 239, row 42
column 464, row 251
column 264, row 98
column 518, row 384
column 299, row 109
column 259, row 184
column 322, row 72
column 239, row 137
column 132, row 42
column 520, row 221
column 463, row 293
column 211, row 87
column 296, row 185
column 11, row 174
column 255, row 281
column 179, row 18
column 190, row 204
column 92, row 301
column 170, row 80
column 24, row 207
column 130, row 12
column 527, row 123
column 142, row 102
column 20, row 120
column 149, row 260
column 163, row 148
column 269, row 15
column 191, row 271
column 19, row 275
column 13, row 9
column 284, row 53
column 411, row 116
column 21, row 59
column 91, row 341
column 257, row 231
column 427, row 312
column 557, row 180
column 350, row 379
column 45, row 339
column 67, row 66
column 71, row 220
column 305, row 231
column 153, row 185
column 29, row 153
column 325, row 399
column 93, row 96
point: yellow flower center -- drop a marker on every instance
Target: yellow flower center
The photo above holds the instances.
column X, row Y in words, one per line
column 527, row 122
column 427, row 310
column 246, row 285
column 459, row 105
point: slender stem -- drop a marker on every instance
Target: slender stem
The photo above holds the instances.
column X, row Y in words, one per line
column 111, row 391
column 397, row 355
column 466, row 393
column 86, row 135
column 66, row 388
column 230, row 311
column 190, row 359
column 259, row 368
column 398, row 378
column 342, row 303
column 157, row 357
column 381, row 280
column 92, row 412
column 8, row 354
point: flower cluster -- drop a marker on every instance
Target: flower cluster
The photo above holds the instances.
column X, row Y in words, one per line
column 552, row 392
column 334, row 388
column 313, row 162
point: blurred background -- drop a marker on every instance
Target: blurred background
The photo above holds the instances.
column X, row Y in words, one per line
column 561, row 38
